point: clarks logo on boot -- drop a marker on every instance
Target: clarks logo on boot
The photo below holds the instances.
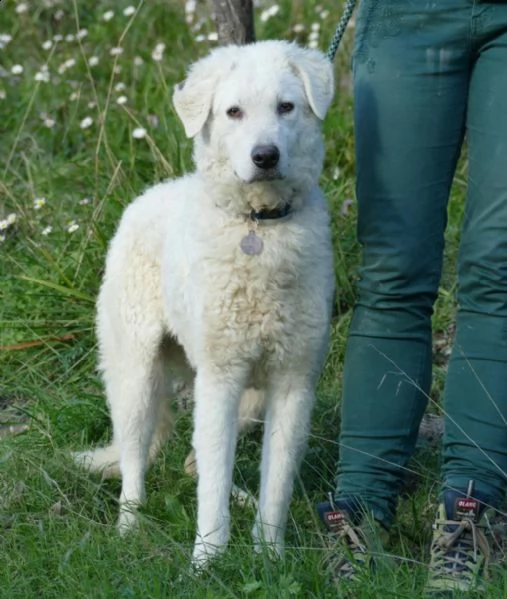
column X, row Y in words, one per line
column 334, row 519
column 466, row 508
column 334, row 516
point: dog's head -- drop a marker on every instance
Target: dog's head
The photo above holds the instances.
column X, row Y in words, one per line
column 255, row 112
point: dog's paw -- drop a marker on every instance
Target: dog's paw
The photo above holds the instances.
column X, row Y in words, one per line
column 204, row 552
column 190, row 465
column 83, row 459
column 200, row 558
column 243, row 498
column 273, row 551
column 128, row 520
column 266, row 541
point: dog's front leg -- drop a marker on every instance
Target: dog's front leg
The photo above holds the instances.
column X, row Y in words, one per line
column 217, row 396
column 290, row 403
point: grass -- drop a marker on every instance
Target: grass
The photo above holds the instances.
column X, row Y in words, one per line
column 72, row 155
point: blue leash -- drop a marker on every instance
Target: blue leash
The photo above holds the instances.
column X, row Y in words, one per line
column 340, row 29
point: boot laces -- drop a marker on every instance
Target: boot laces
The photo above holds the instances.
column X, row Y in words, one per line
column 354, row 550
column 457, row 549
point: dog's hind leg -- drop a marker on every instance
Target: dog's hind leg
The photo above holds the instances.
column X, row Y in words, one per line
column 173, row 372
column 290, row 401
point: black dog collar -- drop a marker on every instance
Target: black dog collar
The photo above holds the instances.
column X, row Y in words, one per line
column 267, row 214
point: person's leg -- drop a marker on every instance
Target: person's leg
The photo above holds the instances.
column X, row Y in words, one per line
column 475, row 440
column 411, row 75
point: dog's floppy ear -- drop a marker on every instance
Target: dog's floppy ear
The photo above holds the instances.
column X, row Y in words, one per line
column 193, row 97
column 317, row 74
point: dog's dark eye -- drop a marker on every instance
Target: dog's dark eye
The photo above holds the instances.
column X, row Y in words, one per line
column 234, row 112
column 285, row 107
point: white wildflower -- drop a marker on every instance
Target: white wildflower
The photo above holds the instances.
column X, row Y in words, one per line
column 314, row 36
column 86, row 122
column 153, row 120
column 73, row 96
column 313, row 44
column 8, row 222
column 57, row 37
column 81, row 34
column 158, row 52
column 213, row 36
column 129, row 11
column 69, row 63
column 21, row 7
column 116, row 51
column 69, row 38
column 117, row 69
column 3, row 94
column 49, row 122
column 17, row 69
column 139, row 133
column 198, row 25
column 119, row 87
column 91, row 105
column 72, row 226
column 121, row 100
column 42, row 76
column 5, row 38
column 324, row 14
column 138, row 61
column 2, row 237
column 200, row 38
column 107, row 16
column 85, row 201
column 59, row 14
column 315, row 27
column 93, row 61
column 270, row 12
column 298, row 28
column 47, row 45
column 190, row 6
column 38, row 203
column 346, row 207
column 47, row 230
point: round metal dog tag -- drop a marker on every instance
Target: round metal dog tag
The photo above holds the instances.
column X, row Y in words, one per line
column 251, row 244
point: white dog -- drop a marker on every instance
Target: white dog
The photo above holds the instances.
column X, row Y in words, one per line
column 229, row 268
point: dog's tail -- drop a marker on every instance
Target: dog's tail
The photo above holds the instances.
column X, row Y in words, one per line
column 105, row 460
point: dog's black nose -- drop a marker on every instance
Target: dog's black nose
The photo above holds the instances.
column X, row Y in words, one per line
column 265, row 156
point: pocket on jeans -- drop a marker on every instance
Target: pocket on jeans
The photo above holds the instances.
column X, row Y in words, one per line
column 376, row 20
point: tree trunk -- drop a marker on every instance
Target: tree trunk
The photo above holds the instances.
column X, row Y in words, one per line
column 234, row 21
column 432, row 428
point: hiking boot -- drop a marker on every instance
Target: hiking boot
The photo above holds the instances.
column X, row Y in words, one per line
column 461, row 545
column 350, row 540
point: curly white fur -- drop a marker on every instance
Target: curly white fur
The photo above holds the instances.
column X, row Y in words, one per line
column 254, row 329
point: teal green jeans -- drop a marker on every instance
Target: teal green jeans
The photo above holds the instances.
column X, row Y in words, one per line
column 425, row 76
